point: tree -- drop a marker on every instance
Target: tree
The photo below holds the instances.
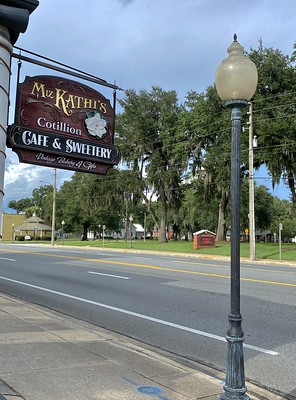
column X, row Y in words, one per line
column 20, row 205
column 148, row 136
column 263, row 204
column 284, row 213
column 42, row 199
column 264, row 209
column 129, row 187
column 197, row 211
column 208, row 121
column 70, row 208
column 40, row 203
column 88, row 201
column 274, row 114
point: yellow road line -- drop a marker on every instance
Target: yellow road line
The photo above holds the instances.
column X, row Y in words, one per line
column 243, row 268
column 94, row 260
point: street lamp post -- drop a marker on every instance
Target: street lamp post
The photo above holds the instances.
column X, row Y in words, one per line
column 236, row 82
column 131, row 218
column 63, row 224
column 280, row 239
column 12, row 236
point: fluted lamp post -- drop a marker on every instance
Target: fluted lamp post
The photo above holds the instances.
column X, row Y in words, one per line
column 236, row 82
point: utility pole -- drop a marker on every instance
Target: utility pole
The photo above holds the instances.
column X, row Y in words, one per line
column 54, row 207
column 126, row 217
column 252, row 231
column 144, row 226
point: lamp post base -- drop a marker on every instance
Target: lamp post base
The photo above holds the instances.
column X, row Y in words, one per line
column 234, row 388
column 234, row 394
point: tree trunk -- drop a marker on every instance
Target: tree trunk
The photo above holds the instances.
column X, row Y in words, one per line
column 291, row 183
column 176, row 230
column 190, row 233
column 221, row 219
column 84, row 236
column 150, row 210
column 163, row 222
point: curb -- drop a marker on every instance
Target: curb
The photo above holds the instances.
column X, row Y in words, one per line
column 7, row 393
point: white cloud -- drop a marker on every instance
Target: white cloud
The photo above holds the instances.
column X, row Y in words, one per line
column 21, row 179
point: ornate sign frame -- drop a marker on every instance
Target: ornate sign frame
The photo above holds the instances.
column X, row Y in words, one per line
column 64, row 124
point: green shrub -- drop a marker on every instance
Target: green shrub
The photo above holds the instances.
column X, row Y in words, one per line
column 20, row 238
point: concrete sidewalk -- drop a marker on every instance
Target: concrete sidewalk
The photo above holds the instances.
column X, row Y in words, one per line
column 47, row 355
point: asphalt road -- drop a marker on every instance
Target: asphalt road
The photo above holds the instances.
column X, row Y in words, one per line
column 177, row 304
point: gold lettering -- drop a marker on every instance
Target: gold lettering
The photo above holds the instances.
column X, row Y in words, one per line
column 103, row 108
column 49, row 93
column 39, row 88
column 61, row 102
column 79, row 100
column 70, row 102
column 67, row 102
column 87, row 103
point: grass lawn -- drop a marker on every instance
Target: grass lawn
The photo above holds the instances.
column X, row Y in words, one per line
column 263, row 250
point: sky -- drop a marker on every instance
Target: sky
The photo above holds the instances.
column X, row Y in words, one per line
column 137, row 44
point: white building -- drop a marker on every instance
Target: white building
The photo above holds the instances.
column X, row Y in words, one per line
column 136, row 231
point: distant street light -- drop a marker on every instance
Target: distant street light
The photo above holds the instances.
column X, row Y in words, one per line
column 236, row 82
column 131, row 218
column 280, row 239
column 63, row 224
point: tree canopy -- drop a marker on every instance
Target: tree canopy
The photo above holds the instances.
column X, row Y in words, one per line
column 176, row 161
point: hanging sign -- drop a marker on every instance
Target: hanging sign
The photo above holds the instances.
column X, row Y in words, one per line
column 63, row 124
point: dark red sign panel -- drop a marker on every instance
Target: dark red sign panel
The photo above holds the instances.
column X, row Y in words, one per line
column 63, row 124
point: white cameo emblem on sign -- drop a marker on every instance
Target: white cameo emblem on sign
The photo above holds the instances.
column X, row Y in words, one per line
column 96, row 124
